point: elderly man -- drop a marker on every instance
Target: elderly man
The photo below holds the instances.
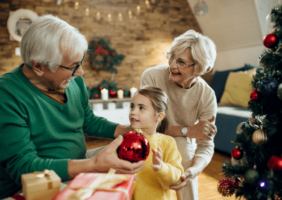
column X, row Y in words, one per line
column 44, row 111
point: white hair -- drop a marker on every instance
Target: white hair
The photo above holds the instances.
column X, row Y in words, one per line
column 46, row 40
column 203, row 49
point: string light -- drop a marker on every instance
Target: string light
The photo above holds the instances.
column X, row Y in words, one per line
column 87, row 11
column 120, row 17
column 98, row 16
column 130, row 14
column 109, row 17
column 138, row 10
column 76, row 5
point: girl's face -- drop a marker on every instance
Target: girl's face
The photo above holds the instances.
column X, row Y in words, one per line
column 142, row 114
column 182, row 76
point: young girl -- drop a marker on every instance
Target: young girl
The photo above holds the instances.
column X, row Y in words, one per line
column 163, row 165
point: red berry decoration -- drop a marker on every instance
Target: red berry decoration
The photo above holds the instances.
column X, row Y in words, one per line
column 96, row 96
column 270, row 40
column 100, row 88
column 254, row 96
column 275, row 163
column 226, row 187
column 113, row 93
column 134, row 147
column 237, row 154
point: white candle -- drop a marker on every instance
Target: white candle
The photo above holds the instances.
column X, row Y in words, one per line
column 105, row 94
column 132, row 91
column 120, row 94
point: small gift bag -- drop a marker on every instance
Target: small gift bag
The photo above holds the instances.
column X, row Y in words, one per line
column 40, row 185
column 93, row 186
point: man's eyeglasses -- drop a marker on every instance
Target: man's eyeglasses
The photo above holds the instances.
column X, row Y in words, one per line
column 179, row 62
column 74, row 69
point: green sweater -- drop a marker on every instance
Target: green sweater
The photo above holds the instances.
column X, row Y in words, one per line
column 37, row 133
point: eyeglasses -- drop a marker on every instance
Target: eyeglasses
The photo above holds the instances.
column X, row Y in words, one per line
column 179, row 62
column 74, row 69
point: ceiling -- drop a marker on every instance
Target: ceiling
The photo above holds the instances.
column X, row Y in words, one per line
column 232, row 24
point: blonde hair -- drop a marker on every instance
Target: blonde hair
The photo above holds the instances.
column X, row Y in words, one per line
column 159, row 100
column 46, row 40
column 203, row 49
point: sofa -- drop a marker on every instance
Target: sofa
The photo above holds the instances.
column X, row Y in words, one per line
column 228, row 116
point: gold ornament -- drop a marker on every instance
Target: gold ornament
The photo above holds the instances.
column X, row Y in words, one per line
column 276, row 197
column 259, row 136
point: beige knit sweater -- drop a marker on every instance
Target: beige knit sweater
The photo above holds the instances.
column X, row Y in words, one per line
column 185, row 108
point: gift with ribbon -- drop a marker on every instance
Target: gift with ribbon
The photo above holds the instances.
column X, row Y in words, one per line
column 92, row 186
column 40, row 185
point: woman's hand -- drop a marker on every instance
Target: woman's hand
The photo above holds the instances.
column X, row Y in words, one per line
column 203, row 130
column 186, row 178
column 157, row 159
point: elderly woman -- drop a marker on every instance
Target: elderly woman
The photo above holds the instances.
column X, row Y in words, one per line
column 192, row 104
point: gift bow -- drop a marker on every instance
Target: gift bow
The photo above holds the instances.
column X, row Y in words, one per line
column 102, row 182
column 47, row 175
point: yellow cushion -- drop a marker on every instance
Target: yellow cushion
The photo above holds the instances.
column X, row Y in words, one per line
column 238, row 88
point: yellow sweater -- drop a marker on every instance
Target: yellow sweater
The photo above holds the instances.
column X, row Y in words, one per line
column 153, row 185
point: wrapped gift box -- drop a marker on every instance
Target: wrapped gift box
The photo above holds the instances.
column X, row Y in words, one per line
column 109, row 186
column 40, row 185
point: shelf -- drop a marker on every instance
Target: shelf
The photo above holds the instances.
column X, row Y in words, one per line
column 109, row 100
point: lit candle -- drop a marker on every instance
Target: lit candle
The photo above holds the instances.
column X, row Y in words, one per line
column 76, row 5
column 132, row 91
column 147, row 3
column 120, row 17
column 105, row 94
column 109, row 17
column 87, row 11
column 120, row 94
column 130, row 14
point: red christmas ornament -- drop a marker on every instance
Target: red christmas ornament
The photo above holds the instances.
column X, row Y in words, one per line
column 270, row 40
column 226, row 187
column 254, row 96
column 113, row 93
column 134, row 147
column 96, row 96
column 275, row 163
column 237, row 154
column 100, row 88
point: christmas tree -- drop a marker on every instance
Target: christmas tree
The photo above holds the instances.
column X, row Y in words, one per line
column 255, row 171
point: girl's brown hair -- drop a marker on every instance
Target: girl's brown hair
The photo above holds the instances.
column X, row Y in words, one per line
column 159, row 100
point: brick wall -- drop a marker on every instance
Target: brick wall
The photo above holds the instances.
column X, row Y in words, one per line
column 143, row 40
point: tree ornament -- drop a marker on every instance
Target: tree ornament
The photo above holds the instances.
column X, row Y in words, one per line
column 270, row 40
column 268, row 86
column 251, row 176
column 276, row 197
column 279, row 91
column 236, row 153
column 275, row 163
column 96, row 96
column 259, row 136
column 134, row 147
column 226, row 187
column 239, row 128
column 254, row 96
column 255, row 123
column 224, row 167
column 113, row 93
column 241, row 161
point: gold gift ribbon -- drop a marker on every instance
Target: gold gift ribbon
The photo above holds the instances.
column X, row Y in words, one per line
column 102, row 182
column 47, row 175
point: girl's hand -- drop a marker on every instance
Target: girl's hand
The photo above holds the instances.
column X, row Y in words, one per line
column 157, row 159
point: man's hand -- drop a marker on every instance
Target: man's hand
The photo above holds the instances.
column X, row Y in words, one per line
column 203, row 130
column 107, row 159
column 186, row 178
column 157, row 159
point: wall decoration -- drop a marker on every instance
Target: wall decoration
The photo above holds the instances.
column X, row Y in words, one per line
column 102, row 57
column 19, row 21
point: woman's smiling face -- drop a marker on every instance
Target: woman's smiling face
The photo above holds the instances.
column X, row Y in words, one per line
column 181, row 76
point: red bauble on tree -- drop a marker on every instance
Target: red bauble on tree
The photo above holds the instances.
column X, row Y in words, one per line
column 270, row 40
column 275, row 163
column 237, row 154
column 254, row 96
column 134, row 147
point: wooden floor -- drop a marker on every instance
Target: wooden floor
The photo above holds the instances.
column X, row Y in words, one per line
column 208, row 179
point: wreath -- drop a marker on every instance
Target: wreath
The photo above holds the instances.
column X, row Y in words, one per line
column 102, row 57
